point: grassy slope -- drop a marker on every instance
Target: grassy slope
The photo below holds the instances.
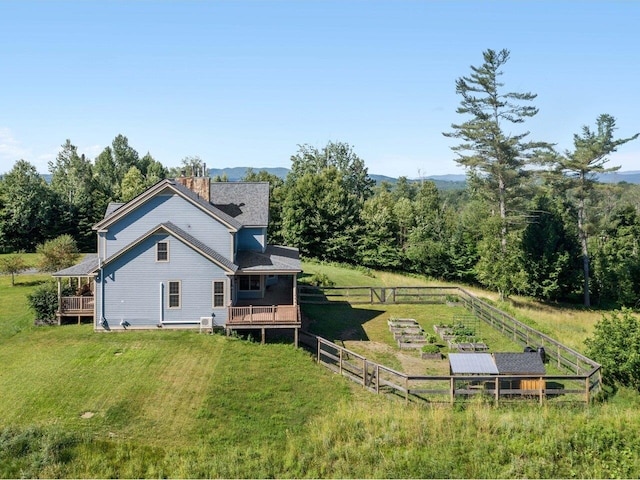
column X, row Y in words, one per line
column 182, row 404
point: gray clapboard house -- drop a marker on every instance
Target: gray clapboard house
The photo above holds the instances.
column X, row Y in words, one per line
column 187, row 253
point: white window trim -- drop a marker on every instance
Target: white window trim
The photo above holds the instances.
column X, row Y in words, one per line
column 179, row 282
column 168, row 250
column 213, row 293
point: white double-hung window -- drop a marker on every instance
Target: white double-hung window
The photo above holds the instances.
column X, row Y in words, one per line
column 218, row 294
column 162, row 252
column 175, row 294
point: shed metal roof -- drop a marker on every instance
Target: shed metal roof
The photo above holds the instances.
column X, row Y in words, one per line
column 472, row 364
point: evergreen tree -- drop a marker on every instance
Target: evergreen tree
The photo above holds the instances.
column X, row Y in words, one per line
column 73, row 181
column 378, row 244
column 576, row 176
column 551, row 252
column 496, row 160
column 616, row 259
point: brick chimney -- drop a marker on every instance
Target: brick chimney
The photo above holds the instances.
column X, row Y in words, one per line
column 199, row 185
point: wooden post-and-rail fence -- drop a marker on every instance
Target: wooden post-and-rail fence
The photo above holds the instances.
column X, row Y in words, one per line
column 435, row 389
column 583, row 379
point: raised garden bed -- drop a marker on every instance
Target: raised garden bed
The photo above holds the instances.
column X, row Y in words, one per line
column 402, row 323
column 409, row 332
column 407, row 345
column 431, row 356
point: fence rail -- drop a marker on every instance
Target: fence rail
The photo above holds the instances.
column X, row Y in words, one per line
column 583, row 379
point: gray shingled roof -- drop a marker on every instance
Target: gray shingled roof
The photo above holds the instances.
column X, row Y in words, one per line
column 472, row 364
column 86, row 267
column 519, row 363
column 112, row 207
column 275, row 258
column 247, row 202
column 208, row 205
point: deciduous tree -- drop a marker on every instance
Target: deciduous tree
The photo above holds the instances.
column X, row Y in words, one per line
column 28, row 210
column 59, row 253
column 12, row 265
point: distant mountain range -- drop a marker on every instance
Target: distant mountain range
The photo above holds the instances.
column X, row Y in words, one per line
column 443, row 182
column 236, row 173
column 448, row 181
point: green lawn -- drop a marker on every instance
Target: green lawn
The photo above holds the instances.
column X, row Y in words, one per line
column 74, row 403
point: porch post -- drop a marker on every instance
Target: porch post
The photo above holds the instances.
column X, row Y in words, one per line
column 295, row 289
column 59, row 301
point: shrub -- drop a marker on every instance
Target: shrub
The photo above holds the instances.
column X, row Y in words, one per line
column 44, row 300
column 462, row 331
column 431, row 338
column 321, row 280
column 431, row 348
column 615, row 345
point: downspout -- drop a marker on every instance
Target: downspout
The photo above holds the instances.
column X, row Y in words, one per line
column 161, row 312
column 102, row 319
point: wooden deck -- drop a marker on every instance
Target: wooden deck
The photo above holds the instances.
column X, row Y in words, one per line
column 264, row 318
column 286, row 315
column 77, row 306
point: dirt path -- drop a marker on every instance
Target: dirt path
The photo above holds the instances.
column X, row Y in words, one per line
column 411, row 363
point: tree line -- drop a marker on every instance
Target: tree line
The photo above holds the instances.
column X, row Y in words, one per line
column 532, row 220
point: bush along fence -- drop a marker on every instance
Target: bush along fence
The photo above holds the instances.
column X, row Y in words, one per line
column 582, row 381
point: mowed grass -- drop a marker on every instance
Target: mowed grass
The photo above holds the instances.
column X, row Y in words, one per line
column 74, row 403
column 157, row 391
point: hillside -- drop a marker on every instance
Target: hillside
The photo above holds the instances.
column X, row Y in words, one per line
column 181, row 404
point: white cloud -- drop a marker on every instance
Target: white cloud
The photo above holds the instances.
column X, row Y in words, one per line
column 10, row 149
column 91, row 151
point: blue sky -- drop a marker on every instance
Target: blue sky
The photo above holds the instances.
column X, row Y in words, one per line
column 244, row 83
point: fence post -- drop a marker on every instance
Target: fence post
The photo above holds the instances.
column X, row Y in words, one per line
column 541, row 387
column 587, row 383
column 497, row 393
column 319, row 341
column 364, row 372
column 406, row 389
column 377, row 378
column 452, row 389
